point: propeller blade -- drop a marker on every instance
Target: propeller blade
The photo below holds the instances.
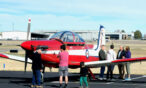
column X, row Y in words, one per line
column 26, row 58
column 28, row 29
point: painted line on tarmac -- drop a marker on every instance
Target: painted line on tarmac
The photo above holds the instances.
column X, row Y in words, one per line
column 62, row 82
column 129, row 80
column 89, row 82
column 106, row 82
column 126, row 80
column 139, row 77
column 136, row 78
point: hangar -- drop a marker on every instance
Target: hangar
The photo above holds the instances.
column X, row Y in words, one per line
column 15, row 35
column 92, row 35
column 87, row 35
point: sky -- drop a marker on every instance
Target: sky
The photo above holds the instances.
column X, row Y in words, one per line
column 129, row 15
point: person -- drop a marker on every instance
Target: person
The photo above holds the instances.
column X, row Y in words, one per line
column 121, row 55
column 63, row 65
column 83, row 75
column 37, row 68
column 102, row 57
column 111, row 55
column 128, row 55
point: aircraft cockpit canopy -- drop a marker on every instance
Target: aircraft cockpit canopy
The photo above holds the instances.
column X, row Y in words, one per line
column 68, row 36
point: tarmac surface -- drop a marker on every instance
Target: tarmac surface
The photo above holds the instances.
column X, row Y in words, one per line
column 17, row 79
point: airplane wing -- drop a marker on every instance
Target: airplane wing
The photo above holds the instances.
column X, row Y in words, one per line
column 22, row 59
column 114, row 62
column 13, row 57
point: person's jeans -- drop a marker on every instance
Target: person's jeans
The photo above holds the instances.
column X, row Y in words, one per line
column 121, row 71
column 36, row 78
column 102, row 71
column 83, row 79
column 110, row 71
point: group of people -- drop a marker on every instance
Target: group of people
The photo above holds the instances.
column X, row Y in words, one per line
column 37, row 67
column 111, row 55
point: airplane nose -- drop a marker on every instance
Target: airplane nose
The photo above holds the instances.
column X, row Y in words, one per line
column 26, row 45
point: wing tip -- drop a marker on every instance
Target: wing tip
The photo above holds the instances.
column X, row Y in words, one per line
column 4, row 56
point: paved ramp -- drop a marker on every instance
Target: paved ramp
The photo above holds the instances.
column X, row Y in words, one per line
column 16, row 79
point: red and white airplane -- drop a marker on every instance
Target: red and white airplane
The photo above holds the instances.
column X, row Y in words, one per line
column 78, row 50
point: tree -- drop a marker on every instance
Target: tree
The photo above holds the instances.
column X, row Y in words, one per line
column 123, row 31
column 137, row 34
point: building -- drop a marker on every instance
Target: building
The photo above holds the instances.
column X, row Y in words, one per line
column 0, row 35
column 120, row 36
column 87, row 35
column 39, row 36
column 14, row 35
column 92, row 35
column 144, row 37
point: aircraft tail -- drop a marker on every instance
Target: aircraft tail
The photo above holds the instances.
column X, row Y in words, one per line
column 101, row 37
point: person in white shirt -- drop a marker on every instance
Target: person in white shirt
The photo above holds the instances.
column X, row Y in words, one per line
column 111, row 55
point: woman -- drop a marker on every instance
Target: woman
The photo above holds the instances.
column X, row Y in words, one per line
column 128, row 55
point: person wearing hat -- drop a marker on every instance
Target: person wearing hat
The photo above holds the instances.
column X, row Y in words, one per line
column 36, row 68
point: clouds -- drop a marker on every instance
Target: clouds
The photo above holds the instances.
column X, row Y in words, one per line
column 73, row 14
column 82, row 7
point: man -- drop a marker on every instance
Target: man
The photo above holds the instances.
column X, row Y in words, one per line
column 111, row 55
column 102, row 57
column 63, row 65
column 121, row 55
column 37, row 68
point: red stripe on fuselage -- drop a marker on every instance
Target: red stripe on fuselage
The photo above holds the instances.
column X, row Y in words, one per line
column 73, row 59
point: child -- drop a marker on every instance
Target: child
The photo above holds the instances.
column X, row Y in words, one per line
column 63, row 65
column 83, row 75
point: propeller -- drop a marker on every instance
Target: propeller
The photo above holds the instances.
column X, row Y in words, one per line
column 26, row 59
column 28, row 29
column 26, row 52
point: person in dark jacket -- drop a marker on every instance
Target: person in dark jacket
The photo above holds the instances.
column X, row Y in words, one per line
column 127, row 56
column 36, row 68
column 102, row 57
column 83, row 75
column 121, row 55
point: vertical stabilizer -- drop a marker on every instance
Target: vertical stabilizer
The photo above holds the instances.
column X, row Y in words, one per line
column 101, row 37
